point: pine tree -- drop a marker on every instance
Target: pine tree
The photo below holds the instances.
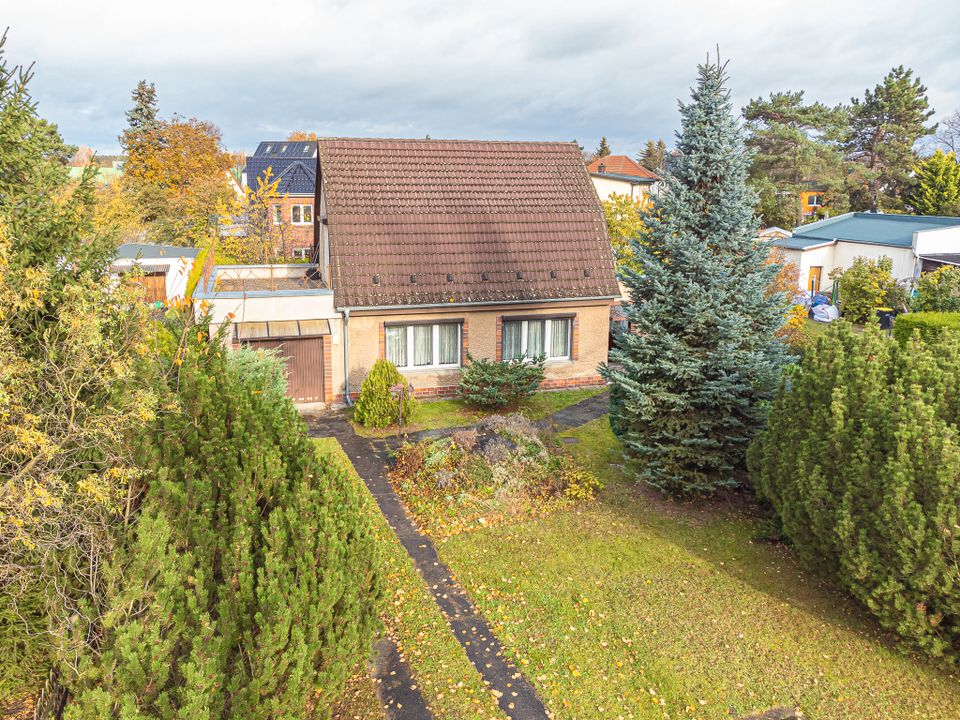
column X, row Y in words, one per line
column 251, row 589
column 602, row 149
column 689, row 383
column 884, row 127
column 653, row 155
column 937, row 189
column 793, row 142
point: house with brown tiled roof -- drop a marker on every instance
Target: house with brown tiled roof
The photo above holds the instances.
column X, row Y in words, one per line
column 621, row 175
column 427, row 251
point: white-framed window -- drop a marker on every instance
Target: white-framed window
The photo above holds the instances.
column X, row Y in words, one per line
column 301, row 214
column 301, row 253
column 530, row 338
column 814, row 201
column 277, row 214
column 425, row 345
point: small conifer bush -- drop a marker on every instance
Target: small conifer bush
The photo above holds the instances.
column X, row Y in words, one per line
column 496, row 384
column 860, row 461
column 377, row 407
column 251, row 586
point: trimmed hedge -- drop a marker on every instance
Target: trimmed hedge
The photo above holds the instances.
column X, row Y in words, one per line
column 376, row 407
column 930, row 325
column 860, row 461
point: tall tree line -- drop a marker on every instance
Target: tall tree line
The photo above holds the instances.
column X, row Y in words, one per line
column 858, row 156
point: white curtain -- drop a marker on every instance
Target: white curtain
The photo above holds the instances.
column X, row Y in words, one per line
column 535, row 338
column 511, row 339
column 423, row 344
column 560, row 337
column 449, row 344
column 397, row 346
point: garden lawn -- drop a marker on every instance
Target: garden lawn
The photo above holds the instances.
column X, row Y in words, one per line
column 436, row 414
column 636, row 607
column 447, row 680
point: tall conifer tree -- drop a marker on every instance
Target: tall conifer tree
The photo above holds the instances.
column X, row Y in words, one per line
column 688, row 385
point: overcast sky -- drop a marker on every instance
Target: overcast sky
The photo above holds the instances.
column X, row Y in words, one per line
column 494, row 69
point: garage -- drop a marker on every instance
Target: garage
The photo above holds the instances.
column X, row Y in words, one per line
column 301, row 345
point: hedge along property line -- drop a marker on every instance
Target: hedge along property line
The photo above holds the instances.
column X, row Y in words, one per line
column 929, row 324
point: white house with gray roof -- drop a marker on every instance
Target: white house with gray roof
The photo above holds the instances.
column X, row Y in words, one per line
column 915, row 243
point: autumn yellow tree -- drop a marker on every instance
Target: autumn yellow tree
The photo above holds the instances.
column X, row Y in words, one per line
column 302, row 135
column 258, row 228
column 624, row 216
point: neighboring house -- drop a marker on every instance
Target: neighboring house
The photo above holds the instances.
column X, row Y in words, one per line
column 430, row 250
column 915, row 243
column 294, row 162
column 618, row 174
column 164, row 269
column 813, row 201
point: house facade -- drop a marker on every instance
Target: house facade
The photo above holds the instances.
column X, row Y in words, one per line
column 293, row 163
column 620, row 175
column 427, row 253
column 915, row 244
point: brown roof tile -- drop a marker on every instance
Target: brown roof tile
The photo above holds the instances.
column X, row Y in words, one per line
column 621, row 165
column 438, row 208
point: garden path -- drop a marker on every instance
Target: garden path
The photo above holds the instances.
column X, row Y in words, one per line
column 515, row 695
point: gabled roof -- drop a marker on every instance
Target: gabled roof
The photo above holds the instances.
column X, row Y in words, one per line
column 870, row 229
column 437, row 222
column 621, row 165
column 293, row 161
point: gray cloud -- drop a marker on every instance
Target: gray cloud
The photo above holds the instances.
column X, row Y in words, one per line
column 512, row 69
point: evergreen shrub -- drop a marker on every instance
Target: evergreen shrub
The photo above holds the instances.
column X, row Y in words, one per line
column 376, row 407
column 251, row 587
column 496, row 384
column 938, row 291
column 860, row 461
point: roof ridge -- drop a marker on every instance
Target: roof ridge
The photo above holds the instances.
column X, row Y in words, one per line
column 564, row 143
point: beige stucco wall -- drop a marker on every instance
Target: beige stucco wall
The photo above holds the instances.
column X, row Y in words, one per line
column 592, row 333
column 607, row 187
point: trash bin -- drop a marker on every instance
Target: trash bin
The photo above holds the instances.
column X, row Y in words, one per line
column 886, row 316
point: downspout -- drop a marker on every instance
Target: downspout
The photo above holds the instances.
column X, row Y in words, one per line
column 346, row 357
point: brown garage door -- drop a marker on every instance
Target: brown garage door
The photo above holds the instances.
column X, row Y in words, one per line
column 304, row 360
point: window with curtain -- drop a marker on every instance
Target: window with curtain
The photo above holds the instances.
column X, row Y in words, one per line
column 532, row 338
column 423, row 345
column 397, row 346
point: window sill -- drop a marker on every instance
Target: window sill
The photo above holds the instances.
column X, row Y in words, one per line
column 425, row 369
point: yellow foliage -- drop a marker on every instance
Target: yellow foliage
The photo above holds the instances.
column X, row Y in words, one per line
column 624, row 216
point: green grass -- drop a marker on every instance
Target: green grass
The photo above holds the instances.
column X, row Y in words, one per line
column 637, row 607
column 448, row 681
column 436, row 414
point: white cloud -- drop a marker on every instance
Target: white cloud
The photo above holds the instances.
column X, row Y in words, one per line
column 488, row 69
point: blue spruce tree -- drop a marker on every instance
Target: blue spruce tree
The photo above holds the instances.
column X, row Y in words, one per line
column 689, row 383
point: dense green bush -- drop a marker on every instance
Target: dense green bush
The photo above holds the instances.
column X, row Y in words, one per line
column 861, row 461
column 866, row 286
column 251, row 588
column 495, row 384
column 938, row 291
column 930, row 325
column 376, row 407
